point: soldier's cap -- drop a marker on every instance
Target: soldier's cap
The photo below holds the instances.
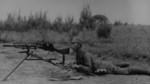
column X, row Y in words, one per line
column 77, row 40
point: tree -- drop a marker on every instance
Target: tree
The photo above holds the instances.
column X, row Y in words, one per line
column 99, row 19
column 101, row 23
column 58, row 24
column 69, row 23
column 85, row 17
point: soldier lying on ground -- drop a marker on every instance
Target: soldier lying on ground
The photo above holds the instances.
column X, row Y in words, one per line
column 85, row 62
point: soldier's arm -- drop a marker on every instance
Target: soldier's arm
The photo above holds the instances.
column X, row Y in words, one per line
column 88, row 59
column 87, row 66
column 81, row 68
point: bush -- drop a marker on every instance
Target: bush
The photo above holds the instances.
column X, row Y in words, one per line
column 104, row 31
column 117, row 23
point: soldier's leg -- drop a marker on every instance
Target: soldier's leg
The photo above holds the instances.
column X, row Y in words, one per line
column 108, row 68
column 122, row 65
column 112, row 70
column 138, row 71
column 120, row 71
column 130, row 71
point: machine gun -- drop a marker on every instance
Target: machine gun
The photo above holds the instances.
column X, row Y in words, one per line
column 44, row 46
column 47, row 46
column 31, row 54
column 22, row 46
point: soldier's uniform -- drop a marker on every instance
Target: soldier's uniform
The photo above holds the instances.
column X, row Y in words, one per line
column 88, row 64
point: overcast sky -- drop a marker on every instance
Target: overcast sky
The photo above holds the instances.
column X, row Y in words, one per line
column 132, row 11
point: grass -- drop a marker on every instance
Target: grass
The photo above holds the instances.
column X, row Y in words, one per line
column 125, row 42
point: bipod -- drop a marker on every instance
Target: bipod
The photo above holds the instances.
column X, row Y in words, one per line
column 27, row 55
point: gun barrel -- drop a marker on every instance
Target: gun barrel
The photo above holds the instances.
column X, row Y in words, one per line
column 6, row 45
column 20, row 45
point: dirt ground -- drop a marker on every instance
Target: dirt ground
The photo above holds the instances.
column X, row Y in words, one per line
column 39, row 72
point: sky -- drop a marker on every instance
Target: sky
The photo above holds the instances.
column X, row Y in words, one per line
column 131, row 11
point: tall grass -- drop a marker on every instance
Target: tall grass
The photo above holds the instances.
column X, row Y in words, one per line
column 129, row 42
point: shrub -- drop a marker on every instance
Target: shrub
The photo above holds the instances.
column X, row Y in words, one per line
column 104, row 31
column 117, row 23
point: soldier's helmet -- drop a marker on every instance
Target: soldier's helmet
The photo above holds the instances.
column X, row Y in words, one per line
column 77, row 40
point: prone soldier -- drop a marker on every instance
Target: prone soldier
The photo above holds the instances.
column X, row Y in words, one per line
column 85, row 62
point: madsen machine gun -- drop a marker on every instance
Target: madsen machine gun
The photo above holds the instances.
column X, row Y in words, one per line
column 29, row 53
column 44, row 46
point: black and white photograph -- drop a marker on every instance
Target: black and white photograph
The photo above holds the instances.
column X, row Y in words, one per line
column 74, row 41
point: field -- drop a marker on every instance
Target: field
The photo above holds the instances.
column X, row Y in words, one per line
column 129, row 43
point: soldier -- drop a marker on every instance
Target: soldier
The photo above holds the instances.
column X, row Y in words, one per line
column 85, row 62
